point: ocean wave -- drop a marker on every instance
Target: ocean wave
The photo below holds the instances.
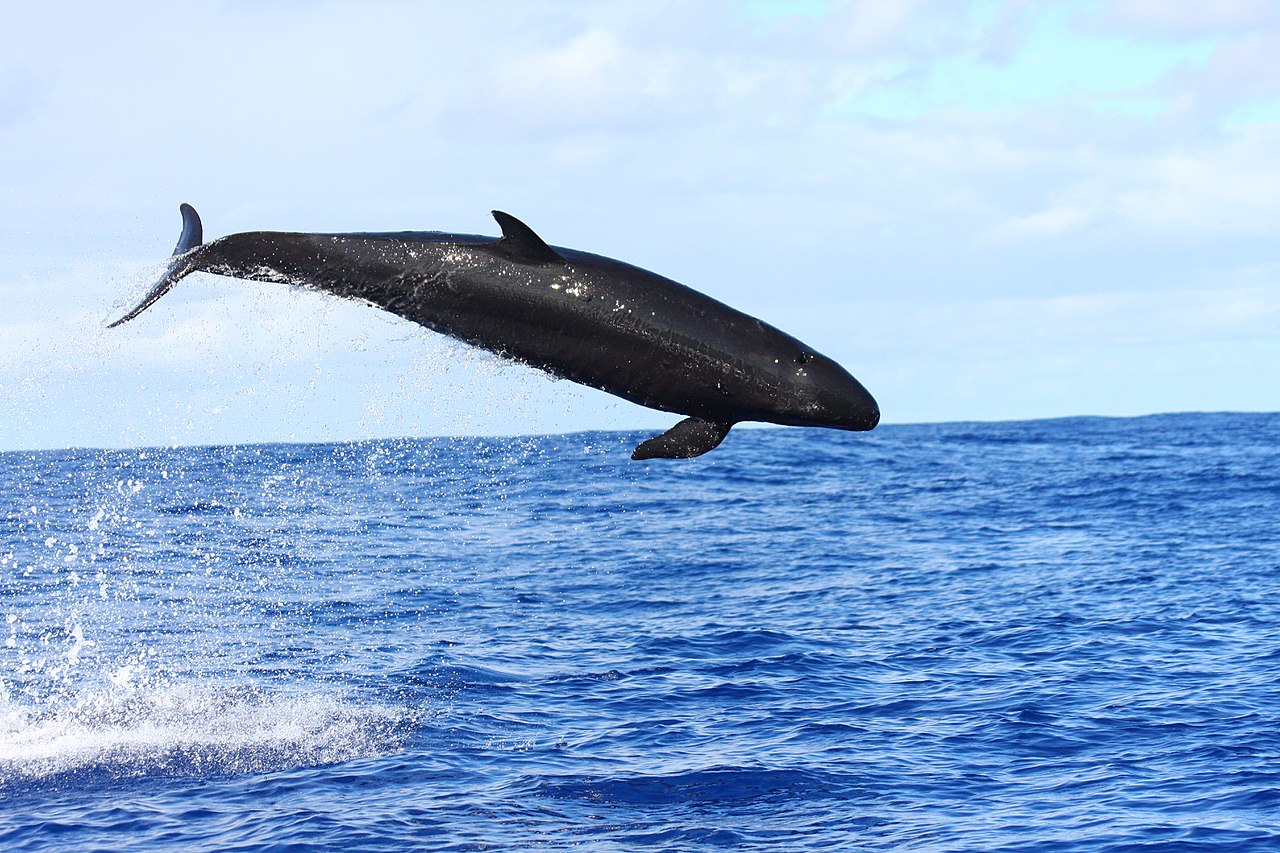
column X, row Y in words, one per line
column 712, row 785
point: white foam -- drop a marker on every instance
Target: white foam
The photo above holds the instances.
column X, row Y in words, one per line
column 195, row 728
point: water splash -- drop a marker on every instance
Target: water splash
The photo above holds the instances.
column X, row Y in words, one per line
column 191, row 728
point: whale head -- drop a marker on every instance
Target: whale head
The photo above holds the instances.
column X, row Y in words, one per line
column 819, row 392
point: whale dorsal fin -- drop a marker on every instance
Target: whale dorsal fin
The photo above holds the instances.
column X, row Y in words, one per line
column 691, row 437
column 520, row 244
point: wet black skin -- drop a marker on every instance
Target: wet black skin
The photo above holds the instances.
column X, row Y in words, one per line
column 576, row 315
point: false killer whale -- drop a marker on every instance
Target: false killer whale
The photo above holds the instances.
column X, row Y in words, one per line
column 576, row 315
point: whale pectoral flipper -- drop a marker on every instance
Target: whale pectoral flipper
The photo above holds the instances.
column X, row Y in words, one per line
column 179, row 267
column 691, row 437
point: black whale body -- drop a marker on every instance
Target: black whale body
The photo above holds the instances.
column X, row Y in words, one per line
column 576, row 315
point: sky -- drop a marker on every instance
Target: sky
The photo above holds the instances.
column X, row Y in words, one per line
column 984, row 210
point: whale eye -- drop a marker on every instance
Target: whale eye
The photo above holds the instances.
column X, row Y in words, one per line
column 803, row 358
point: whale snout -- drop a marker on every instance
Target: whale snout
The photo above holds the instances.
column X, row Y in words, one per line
column 842, row 401
column 855, row 411
column 866, row 416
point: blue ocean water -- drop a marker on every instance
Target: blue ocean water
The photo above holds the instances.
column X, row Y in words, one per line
column 1051, row 635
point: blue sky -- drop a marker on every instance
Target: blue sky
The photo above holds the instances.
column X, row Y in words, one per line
column 984, row 210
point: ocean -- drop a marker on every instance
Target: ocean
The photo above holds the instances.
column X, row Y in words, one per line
column 1051, row 635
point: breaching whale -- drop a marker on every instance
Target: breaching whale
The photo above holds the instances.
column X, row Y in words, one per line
column 579, row 316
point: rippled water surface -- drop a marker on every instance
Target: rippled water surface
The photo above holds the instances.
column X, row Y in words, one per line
column 1055, row 635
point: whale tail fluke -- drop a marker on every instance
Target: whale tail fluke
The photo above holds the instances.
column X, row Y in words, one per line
column 180, row 266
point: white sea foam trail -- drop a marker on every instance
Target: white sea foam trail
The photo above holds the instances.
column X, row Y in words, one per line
column 199, row 728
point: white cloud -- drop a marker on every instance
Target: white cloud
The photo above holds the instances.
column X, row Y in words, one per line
column 1232, row 188
column 872, row 27
column 1054, row 222
column 590, row 83
column 1190, row 19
